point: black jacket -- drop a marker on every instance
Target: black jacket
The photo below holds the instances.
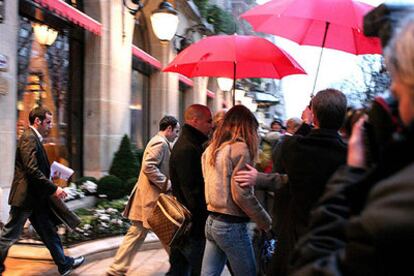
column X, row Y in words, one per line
column 363, row 224
column 186, row 176
column 31, row 185
column 309, row 161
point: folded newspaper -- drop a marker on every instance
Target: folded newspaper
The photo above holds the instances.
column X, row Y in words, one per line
column 60, row 174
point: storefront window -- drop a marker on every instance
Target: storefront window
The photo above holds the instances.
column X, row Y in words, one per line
column 138, row 107
column 140, row 78
column 44, row 75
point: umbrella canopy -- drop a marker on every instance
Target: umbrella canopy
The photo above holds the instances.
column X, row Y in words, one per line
column 334, row 24
column 234, row 56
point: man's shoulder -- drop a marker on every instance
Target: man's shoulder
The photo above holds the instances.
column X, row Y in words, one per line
column 27, row 136
column 158, row 139
column 183, row 149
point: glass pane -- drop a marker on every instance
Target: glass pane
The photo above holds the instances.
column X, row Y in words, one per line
column 139, row 88
column 43, row 74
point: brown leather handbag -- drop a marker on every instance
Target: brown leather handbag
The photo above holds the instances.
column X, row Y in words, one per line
column 170, row 220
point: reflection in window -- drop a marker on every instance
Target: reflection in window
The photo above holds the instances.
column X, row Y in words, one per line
column 139, row 88
column 43, row 75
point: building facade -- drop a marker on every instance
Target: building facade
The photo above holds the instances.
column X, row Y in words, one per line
column 101, row 78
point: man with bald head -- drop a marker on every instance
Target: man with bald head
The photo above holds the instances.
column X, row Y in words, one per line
column 188, row 187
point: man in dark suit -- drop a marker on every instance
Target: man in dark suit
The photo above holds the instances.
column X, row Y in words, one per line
column 30, row 192
column 308, row 161
column 188, row 186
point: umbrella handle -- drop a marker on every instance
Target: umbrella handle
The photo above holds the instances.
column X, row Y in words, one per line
column 234, row 83
column 320, row 57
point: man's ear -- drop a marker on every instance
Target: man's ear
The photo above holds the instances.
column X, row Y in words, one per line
column 169, row 129
column 37, row 121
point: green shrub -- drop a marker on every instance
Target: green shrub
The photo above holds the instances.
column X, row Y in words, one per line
column 118, row 204
column 138, row 153
column 124, row 165
column 111, row 186
column 130, row 184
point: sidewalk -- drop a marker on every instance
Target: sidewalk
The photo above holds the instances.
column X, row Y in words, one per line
column 146, row 263
column 152, row 260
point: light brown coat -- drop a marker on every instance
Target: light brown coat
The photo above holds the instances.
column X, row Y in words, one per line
column 223, row 194
column 153, row 177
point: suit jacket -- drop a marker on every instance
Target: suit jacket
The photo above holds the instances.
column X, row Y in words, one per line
column 186, row 176
column 31, row 185
column 152, row 179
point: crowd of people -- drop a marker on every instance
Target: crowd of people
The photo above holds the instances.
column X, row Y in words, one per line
column 332, row 214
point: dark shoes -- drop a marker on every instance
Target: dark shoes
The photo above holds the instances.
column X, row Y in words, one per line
column 77, row 262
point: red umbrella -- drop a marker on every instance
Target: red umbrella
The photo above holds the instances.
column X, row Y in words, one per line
column 334, row 24
column 234, row 56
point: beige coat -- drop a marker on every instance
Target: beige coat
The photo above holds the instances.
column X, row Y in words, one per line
column 153, row 177
column 223, row 194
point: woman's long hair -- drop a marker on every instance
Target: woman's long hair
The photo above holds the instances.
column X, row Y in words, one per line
column 239, row 124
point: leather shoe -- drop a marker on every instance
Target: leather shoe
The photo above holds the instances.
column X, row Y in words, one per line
column 77, row 262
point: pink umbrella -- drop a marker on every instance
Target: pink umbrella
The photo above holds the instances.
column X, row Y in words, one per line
column 234, row 56
column 334, row 24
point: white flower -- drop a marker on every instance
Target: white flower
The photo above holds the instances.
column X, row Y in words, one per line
column 87, row 226
column 104, row 217
column 111, row 211
column 104, row 224
column 89, row 186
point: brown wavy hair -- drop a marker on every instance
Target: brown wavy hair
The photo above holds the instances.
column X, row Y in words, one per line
column 239, row 124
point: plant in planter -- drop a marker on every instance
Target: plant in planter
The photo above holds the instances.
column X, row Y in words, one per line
column 102, row 221
column 130, row 184
column 112, row 187
column 124, row 165
column 83, row 179
column 73, row 192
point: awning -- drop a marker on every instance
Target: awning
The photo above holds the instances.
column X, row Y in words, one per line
column 262, row 97
column 72, row 14
column 147, row 58
column 211, row 94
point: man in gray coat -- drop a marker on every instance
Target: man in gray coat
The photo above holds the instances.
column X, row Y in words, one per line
column 153, row 179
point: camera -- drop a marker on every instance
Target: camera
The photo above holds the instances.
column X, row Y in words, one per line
column 383, row 20
column 383, row 118
column 383, row 122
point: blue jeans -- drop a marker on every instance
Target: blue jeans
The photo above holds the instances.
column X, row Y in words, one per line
column 44, row 227
column 228, row 240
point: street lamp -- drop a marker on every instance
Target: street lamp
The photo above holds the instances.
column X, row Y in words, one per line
column 44, row 35
column 225, row 84
column 164, row 20
column 137, row 6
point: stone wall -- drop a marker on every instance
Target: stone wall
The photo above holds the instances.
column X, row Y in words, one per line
column 8, row 47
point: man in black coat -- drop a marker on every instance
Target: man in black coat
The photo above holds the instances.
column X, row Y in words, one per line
column 188, row 186
column 309, row 161
column 30, row 192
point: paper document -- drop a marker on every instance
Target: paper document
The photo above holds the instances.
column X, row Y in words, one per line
column 58, row 170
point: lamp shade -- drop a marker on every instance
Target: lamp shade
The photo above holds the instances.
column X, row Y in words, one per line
column 44, row 34
column 164, row 21
column 225, row 84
